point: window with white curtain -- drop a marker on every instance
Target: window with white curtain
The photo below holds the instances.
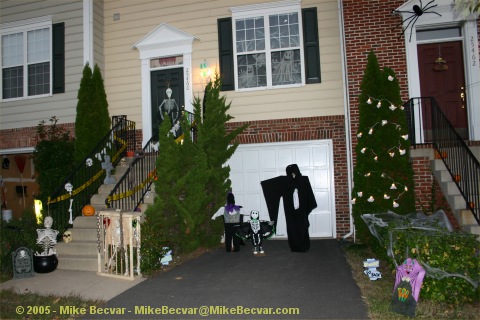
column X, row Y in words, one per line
column 268, row 47
column 26, row 61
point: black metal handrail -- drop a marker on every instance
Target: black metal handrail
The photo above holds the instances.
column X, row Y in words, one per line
column 130, row 190
column 64, row 205
column 450, row 147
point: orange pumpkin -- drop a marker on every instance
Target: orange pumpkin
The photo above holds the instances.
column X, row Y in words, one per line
column 88, row 210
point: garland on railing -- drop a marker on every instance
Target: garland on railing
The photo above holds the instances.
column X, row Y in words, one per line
column 119, row 196
column 94, row 178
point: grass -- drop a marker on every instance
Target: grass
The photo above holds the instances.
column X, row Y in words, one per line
column 376, row 294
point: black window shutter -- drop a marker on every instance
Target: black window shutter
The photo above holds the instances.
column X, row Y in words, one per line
column 58, row 50
column 225, row 52
column 311, row 46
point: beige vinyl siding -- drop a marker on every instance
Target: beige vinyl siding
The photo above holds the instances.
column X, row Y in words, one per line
column 98, row 34
column 29, row 112
column 199, row 18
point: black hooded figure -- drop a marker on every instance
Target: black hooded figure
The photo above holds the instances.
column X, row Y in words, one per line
column 298, row 202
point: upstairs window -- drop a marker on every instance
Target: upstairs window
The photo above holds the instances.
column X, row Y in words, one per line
column 267, row 46
column 27, row 60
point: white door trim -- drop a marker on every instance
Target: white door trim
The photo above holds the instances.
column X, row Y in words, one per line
column 164, row 41
column 448, row 18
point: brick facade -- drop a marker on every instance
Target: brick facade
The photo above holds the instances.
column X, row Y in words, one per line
column 25, row 137
column 301, row 129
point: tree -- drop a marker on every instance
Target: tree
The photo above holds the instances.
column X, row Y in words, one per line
column 92, row 122
column 192, row 181
column 52, row 157
column 383, row 175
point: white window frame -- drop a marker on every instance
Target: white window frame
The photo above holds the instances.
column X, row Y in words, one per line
column 24, row 27
column 265, row 10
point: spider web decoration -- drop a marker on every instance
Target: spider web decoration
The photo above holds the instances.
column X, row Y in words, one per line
column 416, row 13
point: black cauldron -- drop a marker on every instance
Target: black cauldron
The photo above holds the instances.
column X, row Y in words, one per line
column 45, row 264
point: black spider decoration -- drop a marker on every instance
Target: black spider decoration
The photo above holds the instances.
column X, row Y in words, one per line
column 417, row 12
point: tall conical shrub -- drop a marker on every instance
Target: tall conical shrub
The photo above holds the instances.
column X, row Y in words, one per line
column 383, row 175
column 92, row 122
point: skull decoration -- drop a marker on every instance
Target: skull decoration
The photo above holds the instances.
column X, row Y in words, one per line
column 23, row 254
column 89, row 162
column 67, row 236
column 69, row 187
column 123, row 162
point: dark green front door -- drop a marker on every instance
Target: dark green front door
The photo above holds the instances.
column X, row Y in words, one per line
column 162, row 80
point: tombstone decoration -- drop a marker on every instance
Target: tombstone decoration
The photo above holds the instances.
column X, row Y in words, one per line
column 408, row 282
column 107, row 165
column 22, row 263
column 371, row 271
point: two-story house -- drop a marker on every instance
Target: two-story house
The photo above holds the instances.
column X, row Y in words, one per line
column 291, row 70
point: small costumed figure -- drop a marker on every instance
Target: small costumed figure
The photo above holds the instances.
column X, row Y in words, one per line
column 257, row 230
column 232, row 216
column 408, row 282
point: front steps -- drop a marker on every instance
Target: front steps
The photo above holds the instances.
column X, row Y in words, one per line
column 456, row 201
column 82, row 252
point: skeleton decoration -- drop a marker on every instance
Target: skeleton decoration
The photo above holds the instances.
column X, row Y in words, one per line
column 47, row 238
column 69, row 188
column 89, row 162
column 256, row 230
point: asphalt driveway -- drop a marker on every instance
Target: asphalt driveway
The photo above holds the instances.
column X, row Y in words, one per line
column 281, row 284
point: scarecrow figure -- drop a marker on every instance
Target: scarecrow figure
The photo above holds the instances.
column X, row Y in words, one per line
column 256, row 230
column 408, row 282
column 232, row 216
column 298, row 202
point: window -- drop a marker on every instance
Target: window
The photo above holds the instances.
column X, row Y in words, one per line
column 268, row 47
column 29, row 57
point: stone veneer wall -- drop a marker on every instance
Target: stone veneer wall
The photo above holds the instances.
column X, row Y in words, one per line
column 301, row 129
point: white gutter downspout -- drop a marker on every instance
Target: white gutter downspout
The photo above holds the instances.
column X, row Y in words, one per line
column 88, row 33
column 346, row 103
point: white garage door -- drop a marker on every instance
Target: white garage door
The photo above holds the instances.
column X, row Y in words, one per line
column 253, row 163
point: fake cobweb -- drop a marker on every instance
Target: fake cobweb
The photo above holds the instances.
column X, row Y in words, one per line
column 433, row 225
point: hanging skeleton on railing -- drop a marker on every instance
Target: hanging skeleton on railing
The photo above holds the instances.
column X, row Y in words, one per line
column 116, row 237
column 69, row 188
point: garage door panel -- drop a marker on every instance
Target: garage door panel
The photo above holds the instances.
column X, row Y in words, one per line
column 252, row 182
column 285, row 157
column 302, row 157
column 237, row 181
column 323, row 202
column 250, row 159
column 321, row 179
column 268, row 159
column 320, row 156
column 318, row 223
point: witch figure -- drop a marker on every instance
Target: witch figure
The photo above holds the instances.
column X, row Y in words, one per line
column 298, row 202
column 232, row 216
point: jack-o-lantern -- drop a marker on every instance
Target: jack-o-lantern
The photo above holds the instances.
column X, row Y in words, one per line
column 88, row 210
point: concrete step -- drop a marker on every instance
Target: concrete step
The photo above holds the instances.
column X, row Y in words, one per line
column 85, row 222
column 78, row 262
column 465, row 217
column 83, row 234
column 78, row 247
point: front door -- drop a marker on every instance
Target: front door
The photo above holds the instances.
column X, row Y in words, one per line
column 170, row 101
column 442, row 77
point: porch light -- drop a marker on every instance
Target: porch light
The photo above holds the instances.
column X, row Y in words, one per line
column 205, row 71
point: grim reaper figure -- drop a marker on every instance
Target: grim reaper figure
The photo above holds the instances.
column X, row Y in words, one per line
column 298, row 202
